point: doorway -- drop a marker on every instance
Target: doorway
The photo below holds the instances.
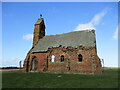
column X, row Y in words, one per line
column 34, row 64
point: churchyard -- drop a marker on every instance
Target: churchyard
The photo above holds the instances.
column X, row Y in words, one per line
column 18, row 79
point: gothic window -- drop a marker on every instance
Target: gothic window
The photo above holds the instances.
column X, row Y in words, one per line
column 62, row 58
column 80, row 58
column 52, row 58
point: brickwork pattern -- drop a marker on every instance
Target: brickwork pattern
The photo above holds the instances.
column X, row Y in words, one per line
column 90, row 61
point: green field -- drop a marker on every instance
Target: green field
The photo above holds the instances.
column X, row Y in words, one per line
column 16, row 79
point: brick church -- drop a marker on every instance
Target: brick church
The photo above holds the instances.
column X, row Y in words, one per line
column 73, row 52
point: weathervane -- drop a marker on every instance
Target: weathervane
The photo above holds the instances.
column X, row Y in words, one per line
column 40, row 15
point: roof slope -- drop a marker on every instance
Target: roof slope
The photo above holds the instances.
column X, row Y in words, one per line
column 74, row 39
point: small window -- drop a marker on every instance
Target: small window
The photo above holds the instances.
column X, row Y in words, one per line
column 80, row 58
column 62, row 58
column 52, row 58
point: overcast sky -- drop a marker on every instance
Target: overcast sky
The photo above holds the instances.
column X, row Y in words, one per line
column 19, row 19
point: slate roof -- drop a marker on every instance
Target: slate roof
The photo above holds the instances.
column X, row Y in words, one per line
column 74, row 39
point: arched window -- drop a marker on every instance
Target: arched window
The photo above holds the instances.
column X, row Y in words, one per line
column 52, row 58
column 34, row 63
column 80, row 58
column 62, row 58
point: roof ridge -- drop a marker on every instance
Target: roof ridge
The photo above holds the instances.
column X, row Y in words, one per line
column 69, row 33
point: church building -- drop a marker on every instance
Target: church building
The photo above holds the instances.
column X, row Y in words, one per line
column 73, row 52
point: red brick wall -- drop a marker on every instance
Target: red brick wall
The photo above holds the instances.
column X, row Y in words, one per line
column 41, row 60
column 90, row 62
column 71, row 55
column 38, row 32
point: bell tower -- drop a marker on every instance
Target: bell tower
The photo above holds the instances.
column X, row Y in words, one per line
column 39, row 30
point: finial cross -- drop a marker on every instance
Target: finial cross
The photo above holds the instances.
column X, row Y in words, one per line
column 40, row 15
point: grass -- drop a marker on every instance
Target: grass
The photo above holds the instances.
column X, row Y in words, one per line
column 16, row 79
